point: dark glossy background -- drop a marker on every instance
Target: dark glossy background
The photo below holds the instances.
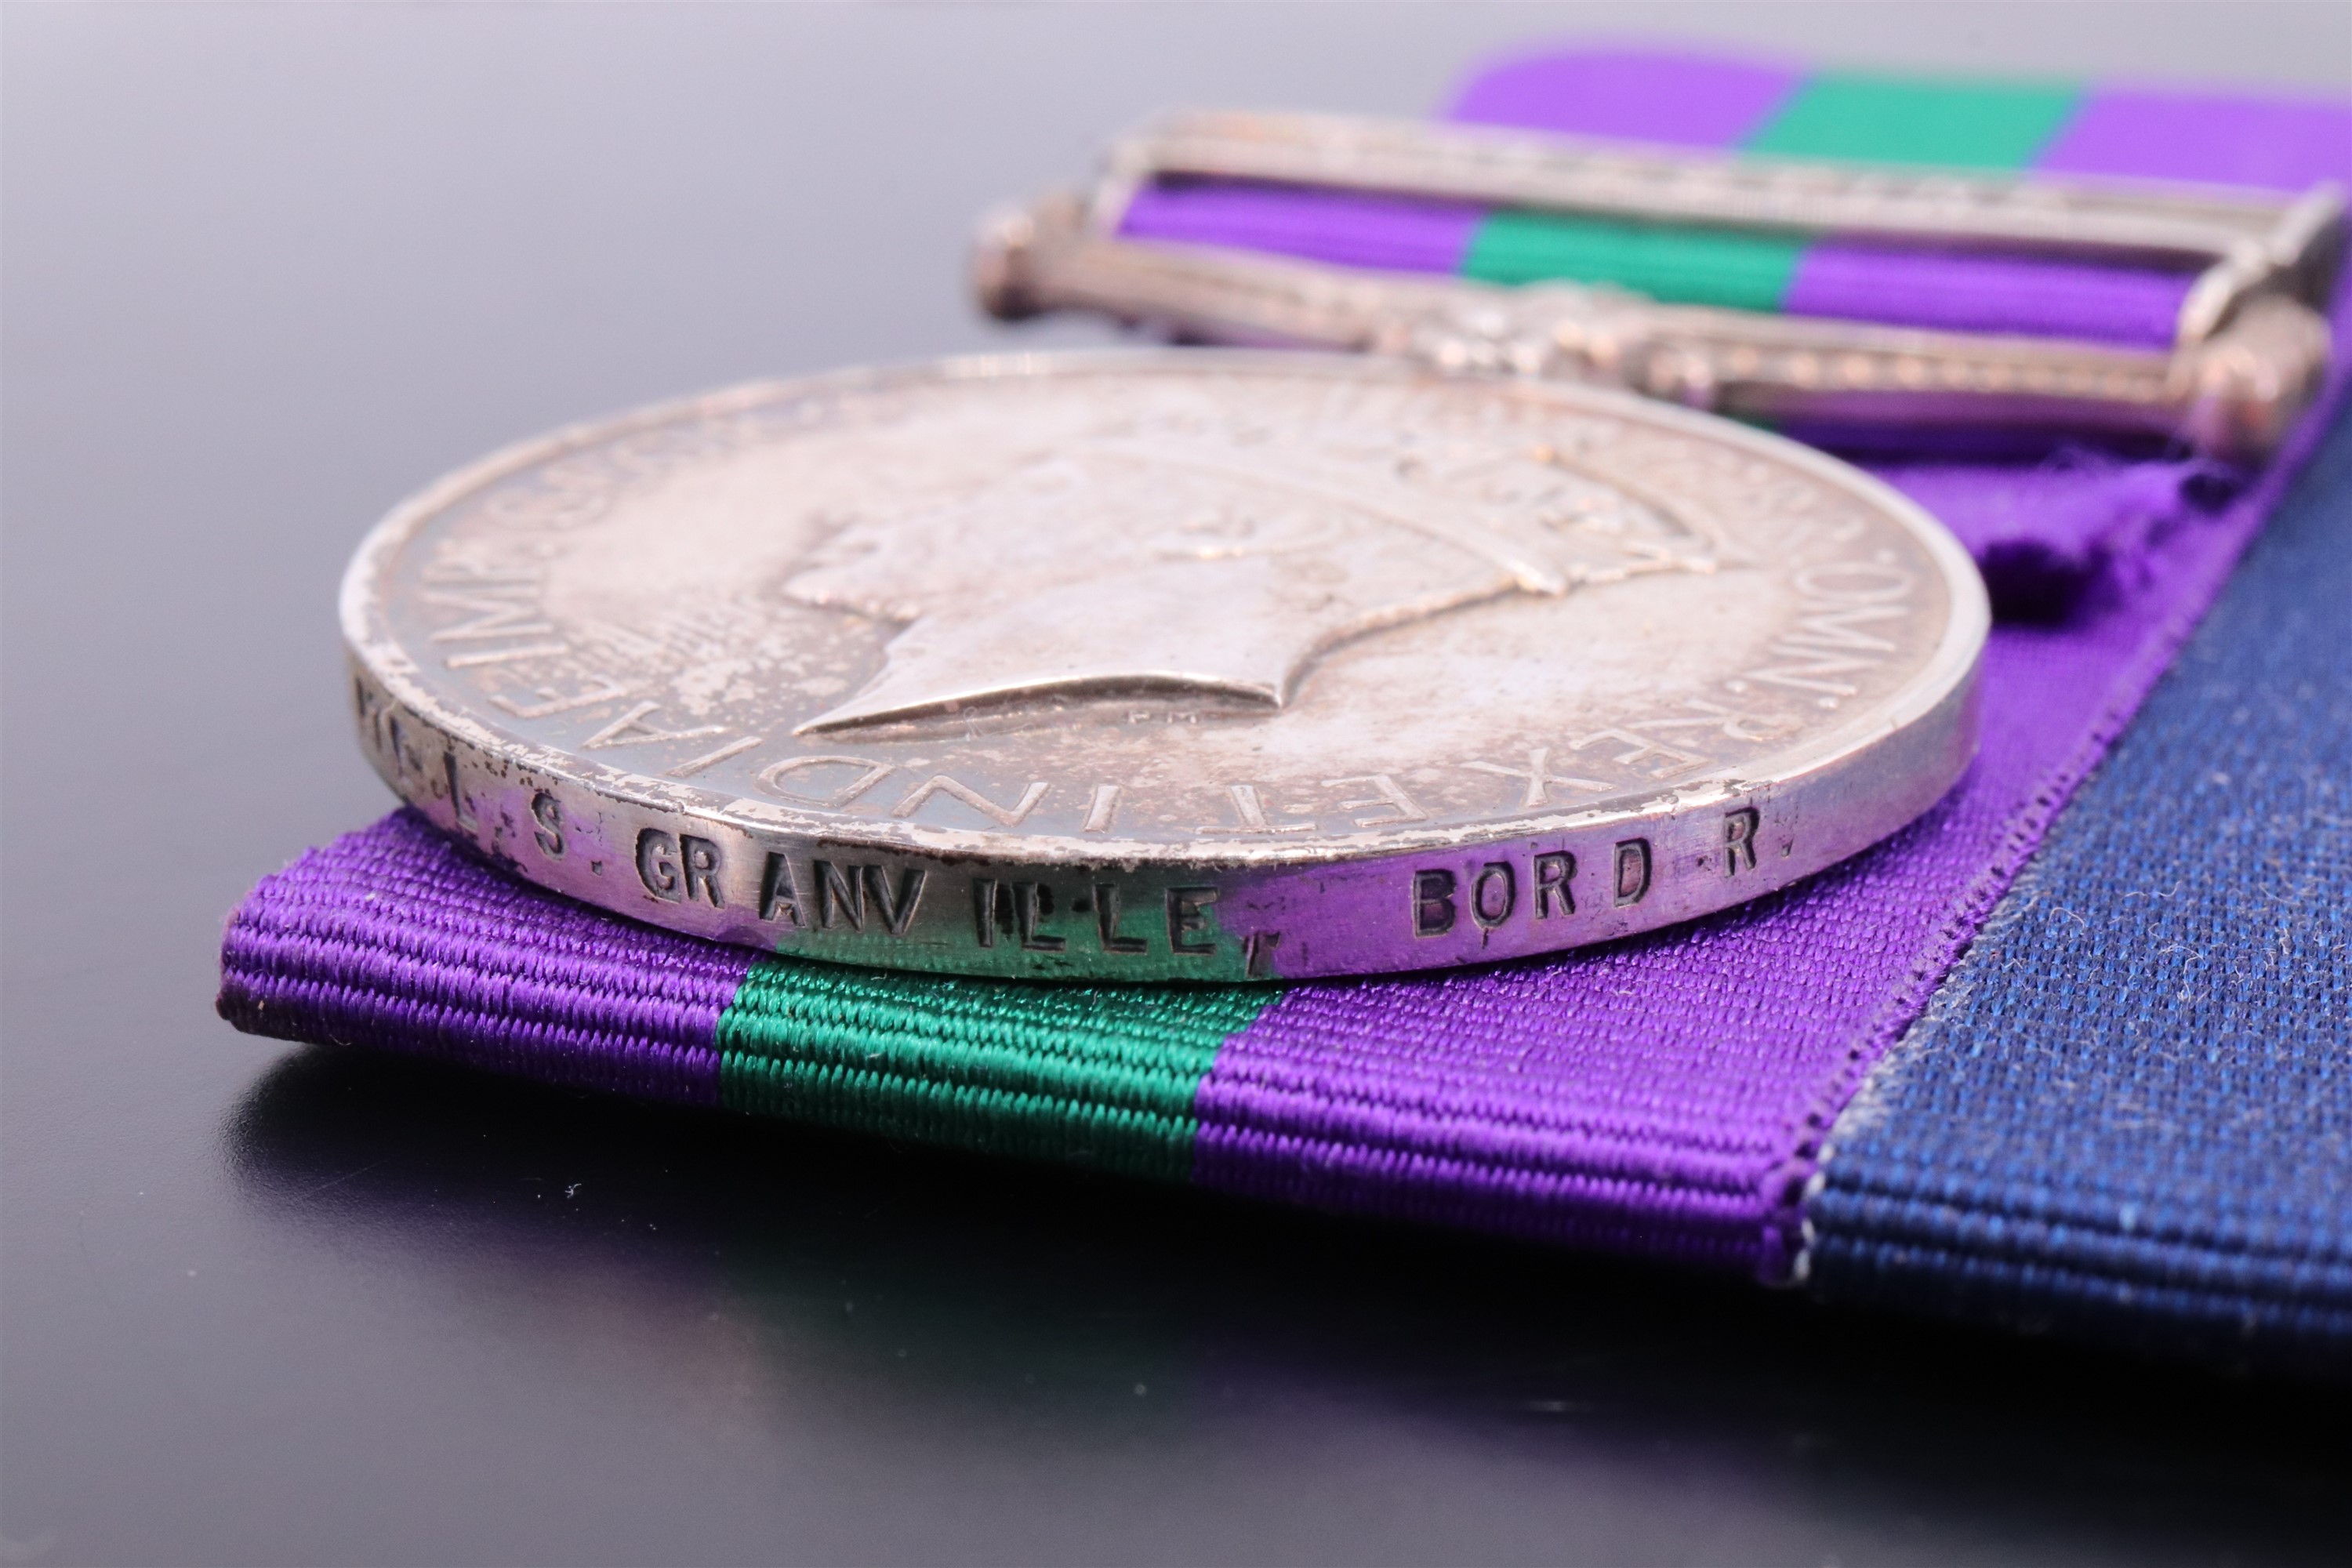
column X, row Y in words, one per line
column 267, row 269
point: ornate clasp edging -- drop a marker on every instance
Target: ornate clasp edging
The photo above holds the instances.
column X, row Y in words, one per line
column 2233, row 394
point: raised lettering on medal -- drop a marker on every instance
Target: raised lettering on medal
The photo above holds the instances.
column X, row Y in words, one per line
column 514, row 654
column 631, row 729
column 1102, row 807
column 488, row 617
column 1003, row 815
column 1539, row 778
column 1391, row 802
column 1840, row 632
column 1249, row 814
column 712, row 758
column 547, row 702
column 1163, row 667
column 791, row 778
column 1664, row 760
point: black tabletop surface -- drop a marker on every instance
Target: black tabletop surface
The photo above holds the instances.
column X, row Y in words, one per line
column 267, row 269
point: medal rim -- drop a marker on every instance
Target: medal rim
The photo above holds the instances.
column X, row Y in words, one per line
column 1943, row 678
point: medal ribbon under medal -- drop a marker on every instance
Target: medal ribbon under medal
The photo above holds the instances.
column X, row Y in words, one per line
column 1673, row 1095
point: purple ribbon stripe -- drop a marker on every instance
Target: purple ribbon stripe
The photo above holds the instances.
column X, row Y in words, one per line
column 1666, row 1095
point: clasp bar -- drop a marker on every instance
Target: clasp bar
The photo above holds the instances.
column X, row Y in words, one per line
column 2244, row 243
column 2233, row 394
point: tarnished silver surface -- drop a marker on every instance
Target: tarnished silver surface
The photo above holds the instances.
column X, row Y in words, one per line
column 1174, row 664
column 2235, row 395
column 2249, row 243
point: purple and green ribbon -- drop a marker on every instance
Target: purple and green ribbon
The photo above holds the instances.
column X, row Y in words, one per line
column 2001, row 126
column 393, row 937
column 1669, row 1095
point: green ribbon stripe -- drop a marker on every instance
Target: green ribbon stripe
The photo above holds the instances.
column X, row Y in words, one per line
column 1089, row 1075
column 1885, row 120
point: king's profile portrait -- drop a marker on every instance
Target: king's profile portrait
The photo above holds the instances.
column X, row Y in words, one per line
column 1216, row 561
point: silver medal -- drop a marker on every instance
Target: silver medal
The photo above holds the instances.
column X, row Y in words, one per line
column 1177, row 665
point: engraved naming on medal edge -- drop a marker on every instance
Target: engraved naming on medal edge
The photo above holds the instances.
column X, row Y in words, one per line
column 1178, row 665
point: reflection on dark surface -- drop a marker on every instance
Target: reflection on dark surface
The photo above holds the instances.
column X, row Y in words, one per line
column 957, row 1291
